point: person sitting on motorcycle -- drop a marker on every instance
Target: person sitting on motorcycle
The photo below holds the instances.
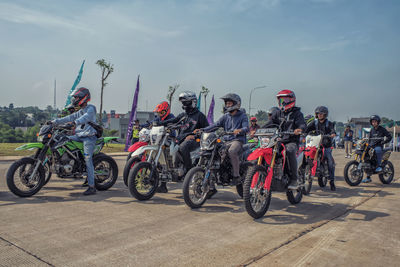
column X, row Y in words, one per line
column 309, row 119
column 163, row 112
column 378, row 137
column 291, row 119
column 83, row 132
column 192, row 119
column 271, row 112
column 234, row 120
column 325, row 127
column 254, row 126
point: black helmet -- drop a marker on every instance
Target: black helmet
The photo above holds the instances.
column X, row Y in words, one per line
column 80, row 96
column 322, row 110
column 188, row 100
column 272, row 111
column 235, row 99
column 376, row 118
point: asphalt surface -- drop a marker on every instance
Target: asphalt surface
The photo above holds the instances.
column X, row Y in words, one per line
column 353, row 226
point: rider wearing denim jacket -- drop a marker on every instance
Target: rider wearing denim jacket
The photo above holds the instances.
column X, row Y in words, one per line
column 83, row 132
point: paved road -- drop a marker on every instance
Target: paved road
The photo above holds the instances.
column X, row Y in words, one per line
column 61, row 227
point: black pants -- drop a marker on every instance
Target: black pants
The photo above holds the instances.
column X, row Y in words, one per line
column 291, row 150
column 185, row 148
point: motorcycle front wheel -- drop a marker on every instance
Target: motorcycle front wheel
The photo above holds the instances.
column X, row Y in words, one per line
column 128, row 166
column 256, row 199
column 19, row 179
column 194, row 193
column 308, row 179
column 387, row 174
column 352, row 175
column 142, row 182
column 105, row 171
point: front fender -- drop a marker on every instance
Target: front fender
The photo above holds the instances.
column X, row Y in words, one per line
column 30, row 146
column 143, row 149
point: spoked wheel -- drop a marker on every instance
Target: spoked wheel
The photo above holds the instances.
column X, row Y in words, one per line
column 142, row 182
column 128, row 166
column 105, row 171
column 305, row 174
column 194, row 192
column 387, row 174
column 243, row 171
column 352, row 175
column 294, row 196
column 19, row 179
column 256, row 198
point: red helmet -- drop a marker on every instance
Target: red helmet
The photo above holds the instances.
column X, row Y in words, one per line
column 163, row 109
column 253, row 119
column 286, row 99
column 80, row 96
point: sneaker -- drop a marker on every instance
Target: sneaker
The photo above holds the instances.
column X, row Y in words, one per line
column 379, row 169
column 162, row 188
column 85, row 183
column 366, row 180
column 294, row 185
column 332, row 184
column 236, row 180
column 90, row 191
column 211, row 193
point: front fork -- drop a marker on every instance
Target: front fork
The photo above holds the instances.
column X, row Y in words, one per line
column 40, row 159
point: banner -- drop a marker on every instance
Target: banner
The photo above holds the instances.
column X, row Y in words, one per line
column 77, row 80
column 132, row 117
column 198, row 102
column 210, row 116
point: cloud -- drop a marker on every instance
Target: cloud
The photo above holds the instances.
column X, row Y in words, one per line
column 326, row 47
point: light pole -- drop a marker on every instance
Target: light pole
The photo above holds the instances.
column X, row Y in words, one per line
column 252, row 90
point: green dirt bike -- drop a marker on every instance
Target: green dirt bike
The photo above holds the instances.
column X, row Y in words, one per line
column 58, row 154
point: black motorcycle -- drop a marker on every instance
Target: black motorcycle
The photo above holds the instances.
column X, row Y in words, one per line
column 214, row 168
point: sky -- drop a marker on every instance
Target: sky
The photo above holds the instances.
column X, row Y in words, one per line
column 343, row 54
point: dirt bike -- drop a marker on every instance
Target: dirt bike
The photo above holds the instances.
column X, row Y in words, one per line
column 214, row 168
column 144, row 138
column 62, row 156
column 163, row 163
column 314, row 154
column 365, row 161
column 271, row 173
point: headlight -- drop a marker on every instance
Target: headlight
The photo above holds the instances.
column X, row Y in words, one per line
column 264, row 141
column 40, row 138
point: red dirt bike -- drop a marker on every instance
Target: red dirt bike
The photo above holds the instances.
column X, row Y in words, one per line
column 270, row 173
column 144, row 138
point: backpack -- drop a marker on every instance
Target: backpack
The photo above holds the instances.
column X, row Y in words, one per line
column 98, row 128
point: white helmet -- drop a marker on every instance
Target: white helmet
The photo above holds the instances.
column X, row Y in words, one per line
column 144, row 135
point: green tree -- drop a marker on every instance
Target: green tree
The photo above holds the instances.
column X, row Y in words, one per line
column 106, row 70
column 261, row 115
column 204, row 92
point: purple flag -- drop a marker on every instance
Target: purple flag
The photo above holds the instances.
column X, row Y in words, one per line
column 210, row 116
column 132, row 117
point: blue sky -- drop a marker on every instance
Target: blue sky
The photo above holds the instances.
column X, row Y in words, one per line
column 342, row 54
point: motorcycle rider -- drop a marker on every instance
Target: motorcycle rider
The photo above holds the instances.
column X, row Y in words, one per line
column 192, row 119
column 83, row 131
column 291, row 119
column 271, row 112
column 378, row 137
column 254, row 126
column 321, row 125
column 163, row 111
column 234, row 120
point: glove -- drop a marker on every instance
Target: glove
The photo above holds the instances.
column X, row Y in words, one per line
column 48, row 123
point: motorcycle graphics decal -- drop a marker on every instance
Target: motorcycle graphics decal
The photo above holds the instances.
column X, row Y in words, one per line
column 136, row 145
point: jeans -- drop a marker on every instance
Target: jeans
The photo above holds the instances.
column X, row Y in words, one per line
column 379, row 154
column 185, row 148
column 331, row 163
column 291, row 150
column 89, row 143
column 234, row 150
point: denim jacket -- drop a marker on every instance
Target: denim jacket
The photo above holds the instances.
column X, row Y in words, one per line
column 81, row 119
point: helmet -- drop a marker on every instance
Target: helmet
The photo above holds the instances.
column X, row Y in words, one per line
column 144, row 135
column 376, row 118
column 188, row 100
column 235, row 99
column 286, row 99
column 80, row 97
column 309, row 118
column 272, row 111
column 322, row 110
column 164, row 109
column 253, row 119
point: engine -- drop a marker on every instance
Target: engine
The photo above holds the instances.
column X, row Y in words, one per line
column 66, row 165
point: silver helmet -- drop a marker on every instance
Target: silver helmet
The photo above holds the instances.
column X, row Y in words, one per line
column 188, row 99
column 235, row 99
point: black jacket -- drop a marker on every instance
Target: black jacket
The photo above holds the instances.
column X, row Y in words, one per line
column 327, row 127
column 292, row 119
column 380, row 132
column 194, row 120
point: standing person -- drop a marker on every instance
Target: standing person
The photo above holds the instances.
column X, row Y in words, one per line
column 378, row 136
column 192, row 119
column 348, row 141
column 291, row 119
column 83, row 132
column 325, row 127
column 135, row 132
column 253, row 127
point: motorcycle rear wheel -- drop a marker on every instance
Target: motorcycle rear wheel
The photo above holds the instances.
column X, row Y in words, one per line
column 387, row 174
column 257, row 199
column 308, row 179
column 140, row 184
column 193, row 192
column 128, row 166
column 352, row 175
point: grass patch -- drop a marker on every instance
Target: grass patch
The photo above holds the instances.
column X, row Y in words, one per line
column 8, row 149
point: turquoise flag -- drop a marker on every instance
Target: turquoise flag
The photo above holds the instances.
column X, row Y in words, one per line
column 198, row 101
column 77, row 80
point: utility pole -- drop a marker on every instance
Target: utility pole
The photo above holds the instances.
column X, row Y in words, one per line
column 55, row 85
column 258, row 87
